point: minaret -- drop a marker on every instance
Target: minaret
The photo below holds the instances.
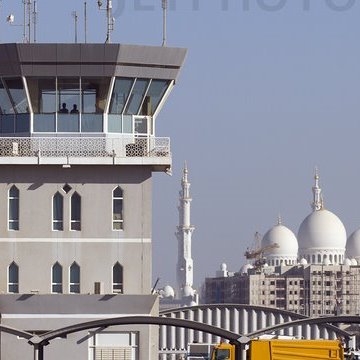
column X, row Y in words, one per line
column 318, row 203
column 184, row 269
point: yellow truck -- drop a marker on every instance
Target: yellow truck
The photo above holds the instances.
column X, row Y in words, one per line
column 280, row 349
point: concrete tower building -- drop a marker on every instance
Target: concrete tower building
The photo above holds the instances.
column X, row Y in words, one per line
column 78, row 147
column 184, row 268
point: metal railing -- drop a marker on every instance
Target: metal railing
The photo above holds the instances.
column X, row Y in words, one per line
column 119, row 147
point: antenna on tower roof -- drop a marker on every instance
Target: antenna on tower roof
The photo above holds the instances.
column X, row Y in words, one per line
column 110, row 19
column 75, row 16
column 35, row 13
column 164, row 7
column 85, row 21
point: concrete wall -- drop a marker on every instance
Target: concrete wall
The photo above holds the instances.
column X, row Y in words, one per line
column 96, row 248
column 51, row 312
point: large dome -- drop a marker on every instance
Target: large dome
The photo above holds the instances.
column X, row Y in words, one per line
column 284, row 238
column 280, row 245
column 322, row 230
column 353, row 245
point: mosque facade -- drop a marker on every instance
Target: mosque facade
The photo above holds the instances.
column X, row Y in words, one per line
column 314, row 273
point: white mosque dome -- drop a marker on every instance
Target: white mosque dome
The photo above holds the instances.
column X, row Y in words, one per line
column 322, row 229
column 303, row 261
column 188, row 291
column 347, row 262
column 326, row 262
column 353, row 244
column 285, row 239
column 321, row 235
column 223, row 267
column 354, row 262
column 168, row 292
column 244, row 269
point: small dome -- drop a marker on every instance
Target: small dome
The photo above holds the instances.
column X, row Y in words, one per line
column 284, row 238
column 244, row 269
column 347, row 261
column 223, row 267
column 353, row 244
column 354, row 262
column 326, row 262
column 168, row 292
column 322, row 230
column 303, row 261
column 266, row 265
column 188, row 291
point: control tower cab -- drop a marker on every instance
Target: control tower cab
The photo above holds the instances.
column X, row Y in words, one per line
column 62, row 102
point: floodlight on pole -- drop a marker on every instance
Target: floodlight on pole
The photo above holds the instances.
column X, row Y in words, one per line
column 26, row 20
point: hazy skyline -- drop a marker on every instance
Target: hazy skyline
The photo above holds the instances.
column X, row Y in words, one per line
column 270, row 89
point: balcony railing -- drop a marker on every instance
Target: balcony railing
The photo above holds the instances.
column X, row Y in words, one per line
column 123, row 146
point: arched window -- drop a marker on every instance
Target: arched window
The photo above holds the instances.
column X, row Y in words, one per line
column 14, row 208
column 117, row 278
column 75, row 212
column 13, row 278
column 319, row 259
column 335, row 259
column 58, row 212
column 313, row 259
column 56, row 285
column 75, row 278
column 118, row 221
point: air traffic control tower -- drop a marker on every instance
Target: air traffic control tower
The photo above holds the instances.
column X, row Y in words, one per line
column 78, row 147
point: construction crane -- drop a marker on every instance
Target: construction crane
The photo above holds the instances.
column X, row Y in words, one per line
column 258, row 253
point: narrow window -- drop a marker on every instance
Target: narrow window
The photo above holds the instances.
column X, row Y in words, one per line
column 76, row 212
column 75, row 278
column 13, row 276
column 56, row 286
column 118, row 222
column 58, row 212
column 117, row 278
column 14, row 208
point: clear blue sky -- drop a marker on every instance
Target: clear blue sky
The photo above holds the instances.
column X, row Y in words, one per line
column 267, row 93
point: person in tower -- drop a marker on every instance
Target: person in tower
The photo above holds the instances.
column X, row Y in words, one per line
column 74, row 110
column 63, row 109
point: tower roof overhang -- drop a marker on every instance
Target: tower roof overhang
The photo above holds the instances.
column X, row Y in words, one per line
column 91, row 60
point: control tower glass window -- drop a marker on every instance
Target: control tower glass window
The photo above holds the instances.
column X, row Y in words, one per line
column 69, row 95
column 120, row 95
column 153, row 96
column 16, row 90
column 5, row 103
column 94, row 92
column 68, row 105
column 136, row 97
column 42, row 94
